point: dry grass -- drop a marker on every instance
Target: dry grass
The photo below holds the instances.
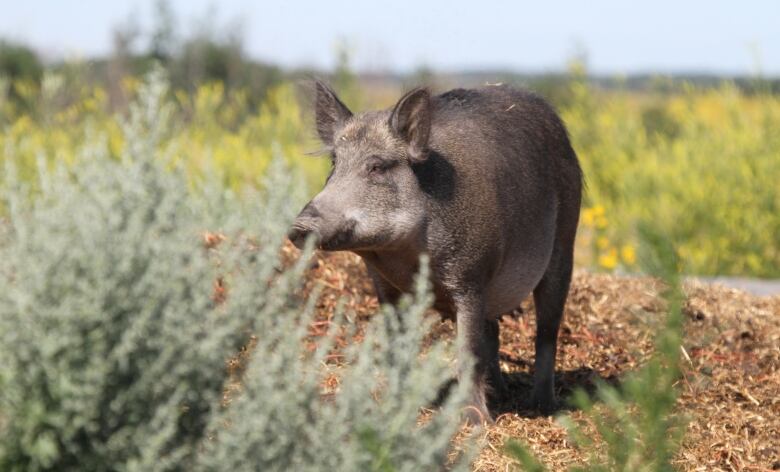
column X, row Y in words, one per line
column 730, row 392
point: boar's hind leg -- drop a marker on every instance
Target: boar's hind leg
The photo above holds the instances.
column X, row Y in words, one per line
column 549, row 299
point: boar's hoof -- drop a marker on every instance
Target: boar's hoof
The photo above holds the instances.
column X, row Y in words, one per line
column 544, row 404
column 477, row 413
column 477, row 417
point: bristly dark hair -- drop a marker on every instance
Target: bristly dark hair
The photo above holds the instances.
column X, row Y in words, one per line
column 319, row 152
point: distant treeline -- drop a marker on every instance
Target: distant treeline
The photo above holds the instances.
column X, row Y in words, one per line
column 216, row 54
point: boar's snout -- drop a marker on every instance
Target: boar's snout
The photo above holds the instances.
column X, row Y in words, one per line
column 298, row 235
column 304, row 225
column 332, row 229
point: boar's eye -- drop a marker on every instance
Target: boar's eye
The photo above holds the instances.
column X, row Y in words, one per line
column 376, row 165
column 375, row 168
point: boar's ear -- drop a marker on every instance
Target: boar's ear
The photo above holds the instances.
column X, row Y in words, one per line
column 331, row 113
column 411, row 121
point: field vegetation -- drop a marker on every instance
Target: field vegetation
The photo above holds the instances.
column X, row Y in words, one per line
column 701, row 165
column 153, row 317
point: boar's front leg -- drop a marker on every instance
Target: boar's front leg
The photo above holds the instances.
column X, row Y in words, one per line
column 471, row 326
column 385, row 292
column 497, row 389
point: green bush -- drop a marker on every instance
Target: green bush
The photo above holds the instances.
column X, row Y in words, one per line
column 114, row 349
column 19, row 62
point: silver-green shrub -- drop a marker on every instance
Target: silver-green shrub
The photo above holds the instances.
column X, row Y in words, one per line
column 281, row 421
column 113, row 348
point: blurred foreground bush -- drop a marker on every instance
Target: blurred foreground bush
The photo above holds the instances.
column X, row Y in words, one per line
column 114, row 347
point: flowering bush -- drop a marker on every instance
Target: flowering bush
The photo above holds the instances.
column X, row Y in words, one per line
column 699, row 166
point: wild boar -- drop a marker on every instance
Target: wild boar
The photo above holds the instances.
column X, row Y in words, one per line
column 486, row 183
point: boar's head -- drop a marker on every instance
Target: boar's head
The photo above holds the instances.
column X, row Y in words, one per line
column 372, row 199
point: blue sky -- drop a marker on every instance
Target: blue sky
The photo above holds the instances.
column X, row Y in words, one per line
column 619, row 37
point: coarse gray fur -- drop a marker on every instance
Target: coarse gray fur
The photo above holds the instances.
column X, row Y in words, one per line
column 485, row 182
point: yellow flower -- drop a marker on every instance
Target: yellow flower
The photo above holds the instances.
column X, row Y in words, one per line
column 628, row 254
column 130, row 84
column 609, row 260
column 601, row 222
column 598, row 210
column 587, row 217
column 602, row 242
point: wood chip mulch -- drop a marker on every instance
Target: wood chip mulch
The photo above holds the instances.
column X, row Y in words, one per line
column 729, row 393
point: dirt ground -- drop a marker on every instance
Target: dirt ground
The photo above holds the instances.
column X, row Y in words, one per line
column 729, row 394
